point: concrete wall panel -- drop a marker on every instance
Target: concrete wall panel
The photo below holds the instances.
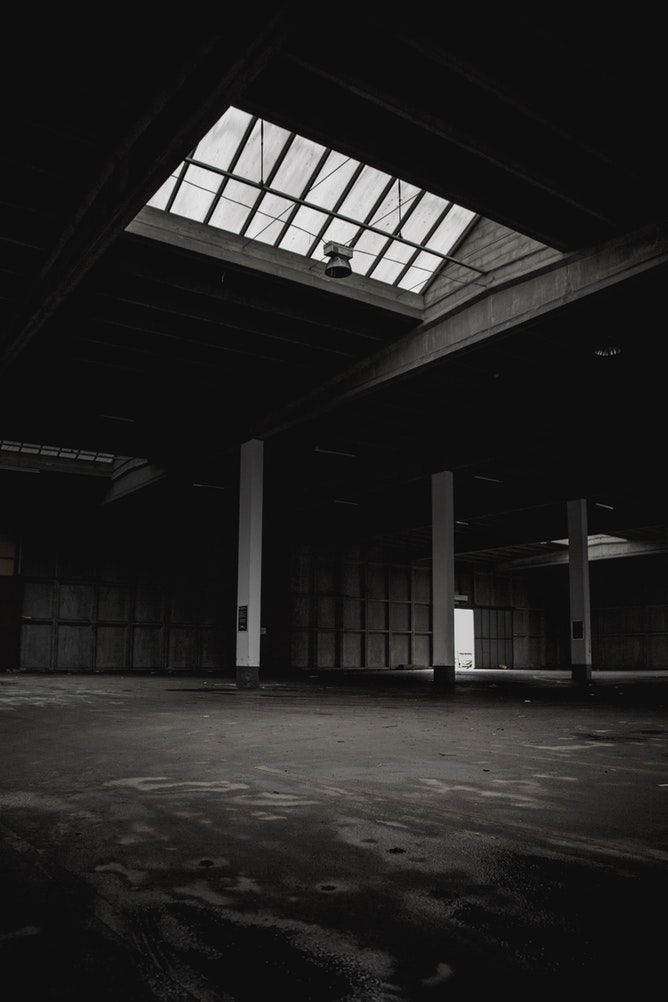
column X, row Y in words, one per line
column 111, row 648
column 74, row 648
column 36, row 651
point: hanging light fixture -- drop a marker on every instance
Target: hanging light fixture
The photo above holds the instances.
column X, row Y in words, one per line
column 607, row 351
column 339, row 256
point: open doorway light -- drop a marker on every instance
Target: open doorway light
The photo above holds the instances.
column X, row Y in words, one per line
column 464, row 640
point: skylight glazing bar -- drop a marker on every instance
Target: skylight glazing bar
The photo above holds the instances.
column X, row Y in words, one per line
column 303, row 193
column 234, row 161
column 437, row 271
column 337, row 205
column 334, row 214
column 394, row 234
column 270, row 177
column 374, row 209
column 177, row 184
column 428, row 235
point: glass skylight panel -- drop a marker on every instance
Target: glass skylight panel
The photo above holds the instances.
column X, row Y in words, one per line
column 297, row 168
column 299, row 163
column 393, row 261
column 366, row 250
column 269, row 219
column 450, row 229
column 331, row 181
column 195, row 194
column 161, row 197
column 387, row 216
column 258, row 157
column 420, row 271
column 222, row 141
column 55, row 451
column 234, row 206
column 423, row 217
column 303, row 230
column 365, row 191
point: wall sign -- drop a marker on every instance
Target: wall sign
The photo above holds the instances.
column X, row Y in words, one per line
column 578, row 629
column 243, row 619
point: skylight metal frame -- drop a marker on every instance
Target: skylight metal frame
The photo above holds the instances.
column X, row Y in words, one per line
column 56, row 452
column 331, row 211
column 283, row 152
column 397, row 229
column 233, row 162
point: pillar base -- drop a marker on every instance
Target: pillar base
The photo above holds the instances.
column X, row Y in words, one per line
column 248, row 677
column 581, row 673
column 444, row 675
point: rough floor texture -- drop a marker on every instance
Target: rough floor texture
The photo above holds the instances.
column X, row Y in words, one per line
column 332, row 839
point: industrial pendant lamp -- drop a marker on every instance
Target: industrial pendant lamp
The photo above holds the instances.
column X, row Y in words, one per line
column 339, row 256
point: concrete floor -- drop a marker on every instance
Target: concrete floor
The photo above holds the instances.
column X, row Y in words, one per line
column 332, row 838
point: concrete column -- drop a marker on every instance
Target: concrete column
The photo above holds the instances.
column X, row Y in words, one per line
column 249, row 580
column 578, row 577
column 443, row 578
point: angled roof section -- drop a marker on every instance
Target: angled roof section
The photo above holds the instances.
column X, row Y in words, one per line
column 262, row 182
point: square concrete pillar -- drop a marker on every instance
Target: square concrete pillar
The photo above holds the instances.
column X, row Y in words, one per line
column 249, row 579
column 578, row 579
column 443, row 578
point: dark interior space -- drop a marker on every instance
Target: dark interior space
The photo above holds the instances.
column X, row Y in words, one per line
column 333, row 537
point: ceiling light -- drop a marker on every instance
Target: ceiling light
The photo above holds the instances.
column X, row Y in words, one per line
column 609, row 507
column 492, row 480
column 608, row 351
column 459, row 522
column 339, row 256
column 354, row 504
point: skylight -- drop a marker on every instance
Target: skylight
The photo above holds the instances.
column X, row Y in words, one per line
column 56, row 452
column 260, row 181
column 595, row 540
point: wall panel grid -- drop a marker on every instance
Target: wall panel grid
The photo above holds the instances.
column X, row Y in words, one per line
column 493, row 638
column 359, row 614
column 104, row 623
column 630, row 636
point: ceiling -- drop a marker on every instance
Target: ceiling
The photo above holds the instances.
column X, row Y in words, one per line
column 118, row 344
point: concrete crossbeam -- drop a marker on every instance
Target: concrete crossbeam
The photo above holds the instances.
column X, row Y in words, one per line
column 212, row 242
column 495, row 311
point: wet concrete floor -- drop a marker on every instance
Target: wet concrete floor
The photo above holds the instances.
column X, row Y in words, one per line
column 332, row 838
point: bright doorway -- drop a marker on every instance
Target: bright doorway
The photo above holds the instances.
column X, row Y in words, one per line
column 464, row 640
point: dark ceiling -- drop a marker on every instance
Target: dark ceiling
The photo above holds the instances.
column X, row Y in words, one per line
column 544, row 122
column 117, row 343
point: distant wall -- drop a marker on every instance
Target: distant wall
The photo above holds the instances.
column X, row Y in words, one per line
column 126, row 600
column 358, row 611
column 155, row 590
column 366, row 609
column 355, row 609
column 629, row 614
